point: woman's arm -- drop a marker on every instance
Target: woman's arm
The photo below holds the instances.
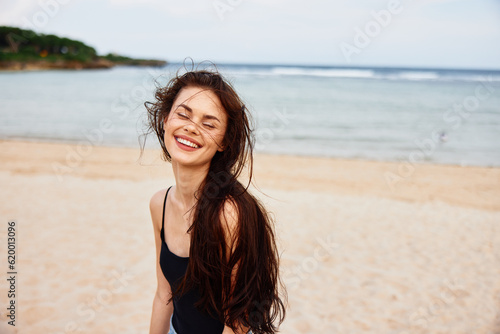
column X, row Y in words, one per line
column 162, row 309
column 160, row 316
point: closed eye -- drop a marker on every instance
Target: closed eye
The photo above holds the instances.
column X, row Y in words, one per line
column 209, row 125
column 182, row 115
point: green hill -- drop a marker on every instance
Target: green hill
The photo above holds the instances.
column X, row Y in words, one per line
column 25, row 49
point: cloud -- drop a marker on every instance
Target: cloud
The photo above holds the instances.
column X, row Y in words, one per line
column 12, row 11
column 175, row 8
column 272, row 30
column 31, row 14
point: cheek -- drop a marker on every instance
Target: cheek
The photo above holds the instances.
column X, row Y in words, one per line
column 168, row 128
column 219, row 137
column 171, row 124
column 223, row 134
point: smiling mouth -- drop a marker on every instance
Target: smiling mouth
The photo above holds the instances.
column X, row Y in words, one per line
column 187, row 142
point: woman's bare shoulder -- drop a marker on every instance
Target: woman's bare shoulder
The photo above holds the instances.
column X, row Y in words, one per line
column 157, row 199
column 156, row 207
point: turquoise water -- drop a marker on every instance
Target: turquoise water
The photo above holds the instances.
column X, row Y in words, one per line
column 421, row 115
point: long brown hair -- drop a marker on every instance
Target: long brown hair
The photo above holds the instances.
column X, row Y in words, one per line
column 252, row 297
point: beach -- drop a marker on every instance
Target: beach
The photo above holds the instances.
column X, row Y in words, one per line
column 367, row 246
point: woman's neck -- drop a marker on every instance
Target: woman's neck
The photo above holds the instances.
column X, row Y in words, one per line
column 187, row 182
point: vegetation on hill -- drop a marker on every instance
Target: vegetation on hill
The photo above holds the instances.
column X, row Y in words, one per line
column 20, row 48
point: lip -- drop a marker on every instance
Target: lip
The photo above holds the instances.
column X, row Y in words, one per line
column 185, row 147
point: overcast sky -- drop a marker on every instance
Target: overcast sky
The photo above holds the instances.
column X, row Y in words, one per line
column 404, row 33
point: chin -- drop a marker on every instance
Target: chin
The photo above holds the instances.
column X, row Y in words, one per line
column 188, row 158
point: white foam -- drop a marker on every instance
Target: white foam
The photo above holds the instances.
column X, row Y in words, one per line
column 418, row 75
column 338, row 73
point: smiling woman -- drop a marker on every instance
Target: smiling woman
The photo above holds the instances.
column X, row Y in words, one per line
column 217, row 262
column 197, row 123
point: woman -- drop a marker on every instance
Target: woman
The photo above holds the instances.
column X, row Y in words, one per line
column 217, row 261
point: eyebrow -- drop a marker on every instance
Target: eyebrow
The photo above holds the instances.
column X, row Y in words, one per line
column 206, row 116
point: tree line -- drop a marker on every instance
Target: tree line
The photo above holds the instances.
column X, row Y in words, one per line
column 22, row 44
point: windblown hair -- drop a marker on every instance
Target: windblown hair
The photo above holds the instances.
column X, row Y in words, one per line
column 251, row 297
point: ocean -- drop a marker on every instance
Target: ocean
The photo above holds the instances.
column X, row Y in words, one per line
column 438, row 116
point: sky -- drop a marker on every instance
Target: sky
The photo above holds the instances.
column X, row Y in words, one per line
column 392, row 33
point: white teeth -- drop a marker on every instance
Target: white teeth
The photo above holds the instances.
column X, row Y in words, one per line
column 186, row 142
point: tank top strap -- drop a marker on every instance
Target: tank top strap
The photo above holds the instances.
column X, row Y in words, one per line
column 163, row 212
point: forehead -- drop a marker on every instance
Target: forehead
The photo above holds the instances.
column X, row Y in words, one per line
column 200, row 100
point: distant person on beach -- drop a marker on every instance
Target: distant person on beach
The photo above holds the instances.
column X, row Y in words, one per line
column 443, row 137
column 217, row 263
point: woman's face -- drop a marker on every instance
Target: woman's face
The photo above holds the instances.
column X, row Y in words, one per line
column 195, row 127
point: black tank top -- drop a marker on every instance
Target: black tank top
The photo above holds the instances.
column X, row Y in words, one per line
column 186, row 319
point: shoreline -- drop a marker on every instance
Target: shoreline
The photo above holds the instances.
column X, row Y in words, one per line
column 40, row 65
column 300, row 156
column 467, row 186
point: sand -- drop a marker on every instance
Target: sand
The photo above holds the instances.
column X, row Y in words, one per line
column 367, row 247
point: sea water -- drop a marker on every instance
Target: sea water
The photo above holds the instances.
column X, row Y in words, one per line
column 390, row 114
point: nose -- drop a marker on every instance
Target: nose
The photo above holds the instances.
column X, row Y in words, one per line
column 191, row 127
